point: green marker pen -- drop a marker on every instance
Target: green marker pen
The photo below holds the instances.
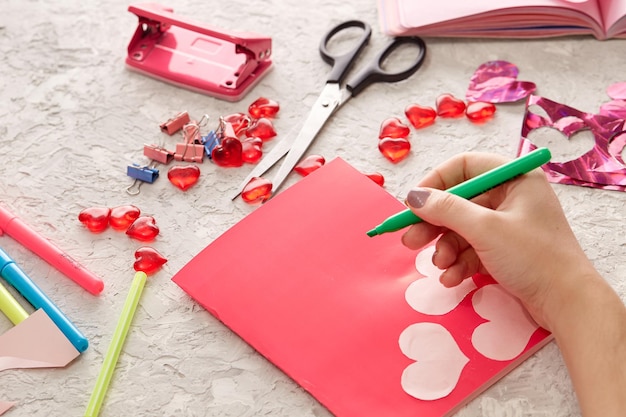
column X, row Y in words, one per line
column 472, row 187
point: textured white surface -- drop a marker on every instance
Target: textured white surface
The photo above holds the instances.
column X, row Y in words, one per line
column 72, row 118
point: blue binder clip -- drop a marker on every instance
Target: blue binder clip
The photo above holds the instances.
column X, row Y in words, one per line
column 210, row 141
column 145, row 174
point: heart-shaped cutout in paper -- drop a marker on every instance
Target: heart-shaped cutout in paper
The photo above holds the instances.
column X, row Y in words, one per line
column 228, row 153
column 496, row 82
column 439, row 361
column 509, row 325
column 96, row 219
column 144, row 229
column 148, row 260
column 309, row 164
column 393, row 128
column 123, row 216
column 420, row 116
column 567, row 141
column 427, row 295
column 394, row 149
column 183, row 176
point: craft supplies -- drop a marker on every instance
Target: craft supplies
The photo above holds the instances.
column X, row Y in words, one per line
column 10, row 307
column 25, row 235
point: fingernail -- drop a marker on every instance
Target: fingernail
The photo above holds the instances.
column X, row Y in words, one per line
column 417, row 197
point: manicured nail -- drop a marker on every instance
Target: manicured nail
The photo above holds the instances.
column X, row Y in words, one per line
column 417, row 197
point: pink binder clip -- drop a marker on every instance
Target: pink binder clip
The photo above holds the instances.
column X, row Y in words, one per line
column 158, row 153
column 197, row 56
column 189, row 152
column 176, row 123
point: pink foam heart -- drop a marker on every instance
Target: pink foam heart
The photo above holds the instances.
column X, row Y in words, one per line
column 438, row 361
column 509, row 327
column 428, row 295
column 496, row 82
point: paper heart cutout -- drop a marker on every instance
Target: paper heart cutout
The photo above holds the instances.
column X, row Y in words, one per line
column 148, row 260
column 479, row 111
column 123, row 216
column 261, row 128
column 449, row 106
column 496, row 82
column 257, row 190
column 251, row 150
column 393, row 128
column 394, row 149
column 144, row 229
column 377, row 177
column 238, row 121
column 509, row 325
column 309, row 164
column 228, row 153
column 96, row 219
column 263, row 107
column 617, row 91
column 439, row 361
column 420, row 116
column 427, row 295
column 614, row 108
column 183, row 176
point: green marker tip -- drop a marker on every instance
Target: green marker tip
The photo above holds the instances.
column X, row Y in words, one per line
column 372, row 233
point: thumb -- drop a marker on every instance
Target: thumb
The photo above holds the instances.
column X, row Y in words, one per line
column 443, row 209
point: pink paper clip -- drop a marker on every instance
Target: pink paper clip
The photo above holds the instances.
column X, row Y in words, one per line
column 158, row 153
column 176, row 123
column 189, row 152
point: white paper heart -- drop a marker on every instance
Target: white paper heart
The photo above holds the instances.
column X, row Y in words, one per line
column 509, row 328
column 427, row 295
column 439, row 361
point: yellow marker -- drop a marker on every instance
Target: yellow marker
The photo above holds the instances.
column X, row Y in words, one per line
column 9, row 306
column 113, row 353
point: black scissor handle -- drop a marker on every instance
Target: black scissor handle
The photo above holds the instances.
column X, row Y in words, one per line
column 342, row 63
column 374, row 73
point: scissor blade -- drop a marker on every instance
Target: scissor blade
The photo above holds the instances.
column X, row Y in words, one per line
column 323, row 108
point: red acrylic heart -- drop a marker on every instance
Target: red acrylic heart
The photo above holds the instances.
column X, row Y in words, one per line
column 393, row 128
column 263, row 107
column 148, row 260
column 394, row 149
column 144, row 229
column 450, row 106
column 480, row 112
column 123, row 216
column 309, row 164
column 228, row 153
column 257, row 190
column 238, row 121
column 496, row 82
column 377, row 177
column 183, row 176
column 251, row 150
column 261, row 128
column 96, row 219
column 420, row 116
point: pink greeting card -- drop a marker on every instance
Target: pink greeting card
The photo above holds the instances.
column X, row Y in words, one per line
column 361, row 323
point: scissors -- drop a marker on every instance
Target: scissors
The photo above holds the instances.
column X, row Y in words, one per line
column 334, row 96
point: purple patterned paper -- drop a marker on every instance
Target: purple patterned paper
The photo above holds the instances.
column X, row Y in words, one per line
column 496, row 82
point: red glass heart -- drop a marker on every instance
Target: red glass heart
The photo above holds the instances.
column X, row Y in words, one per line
column 148, row 260
column 480, row 112
column 228, row 153
column 263, row 107
column 309, row 164
column 123, row 216
column 251, row 150
column 393, row 128
column 238, row 121
column 183, row 176
column 144, row 229
column 257, row 190
column 450, row 106
column 394, row 149
column 420, row 116
column 96, row 219
column 377, row 177
column 261, row 128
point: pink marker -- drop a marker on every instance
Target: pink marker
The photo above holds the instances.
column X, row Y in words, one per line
column 25, row 235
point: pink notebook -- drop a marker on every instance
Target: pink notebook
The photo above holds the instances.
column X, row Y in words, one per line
column 361, row 323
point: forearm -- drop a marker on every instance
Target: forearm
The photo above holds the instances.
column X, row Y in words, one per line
column 589, row 326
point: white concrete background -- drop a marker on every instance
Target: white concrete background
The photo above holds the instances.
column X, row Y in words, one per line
column 72, row 118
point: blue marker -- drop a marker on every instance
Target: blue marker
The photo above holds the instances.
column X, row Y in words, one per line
column 14, row 275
